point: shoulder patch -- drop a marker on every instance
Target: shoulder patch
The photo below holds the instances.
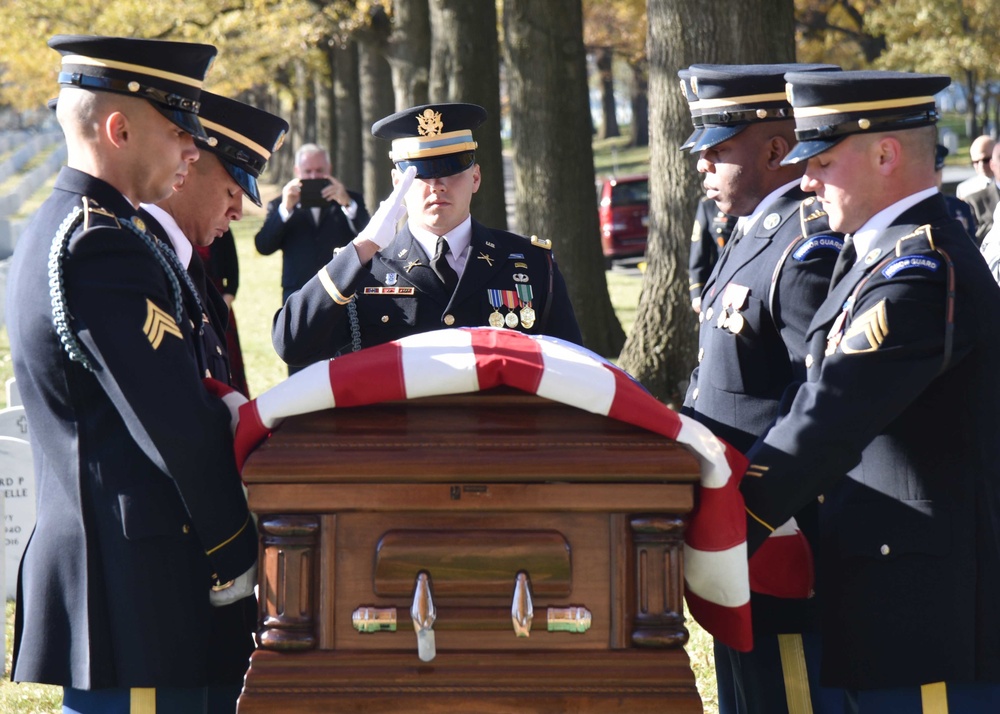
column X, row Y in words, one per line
column 544, row 243
column 824, row 242
column 919, row 262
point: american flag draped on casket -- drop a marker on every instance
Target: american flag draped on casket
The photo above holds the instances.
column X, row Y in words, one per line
column 717, row 577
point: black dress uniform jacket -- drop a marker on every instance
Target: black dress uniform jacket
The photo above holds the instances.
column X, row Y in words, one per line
column 305, row 244
column 755, row 311
column 313, row 325
column 897, row 430
column 140, row 507
column 711, row 230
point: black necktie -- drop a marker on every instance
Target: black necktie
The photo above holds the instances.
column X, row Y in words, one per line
column 845, row 261
column 439, row 264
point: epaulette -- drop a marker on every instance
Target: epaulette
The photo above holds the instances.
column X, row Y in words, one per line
column 95, row 215
column 920, row 241
column 812, row 218
column 543, row 243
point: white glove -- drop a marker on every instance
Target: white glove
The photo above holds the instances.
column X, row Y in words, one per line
column 228, row 593
column 381, row 229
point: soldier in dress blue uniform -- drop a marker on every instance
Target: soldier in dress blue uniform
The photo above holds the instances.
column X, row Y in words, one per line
column 894, row 435
column 442, row 269
column 756, row 305
column 240, row 140
column 142, row 526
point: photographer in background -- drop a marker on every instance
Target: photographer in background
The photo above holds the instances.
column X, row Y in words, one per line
column 314, row 216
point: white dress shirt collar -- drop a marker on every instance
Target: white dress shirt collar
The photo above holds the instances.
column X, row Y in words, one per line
column 748, row 222
column 864, row 236
column 459, row 240
column 182, row 246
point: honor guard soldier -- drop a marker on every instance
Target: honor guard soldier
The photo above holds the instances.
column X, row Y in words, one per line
column 756, row 306
column 442, row 269
column 142, row 526
column 894, row 434
column 239, row 141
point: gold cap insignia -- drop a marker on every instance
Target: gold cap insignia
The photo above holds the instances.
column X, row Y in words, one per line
column 430, row 123
column 864, row 123
column 694, row 85
column 684, row 89
column 788, row 92
column 278, row 142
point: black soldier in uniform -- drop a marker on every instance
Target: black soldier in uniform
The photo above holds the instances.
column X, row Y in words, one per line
column 240, row 139
column 709, row 235
column 756, row 306
column 443, row 268
column 895, row 432
column 142, row 527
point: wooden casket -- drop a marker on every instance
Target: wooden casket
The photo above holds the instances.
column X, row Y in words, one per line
column 538, row 546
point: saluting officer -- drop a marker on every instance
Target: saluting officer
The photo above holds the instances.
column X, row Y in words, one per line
column 756, row 306
column 142, row 526
column 895, row 432
column 239, row 141
column 443, row 268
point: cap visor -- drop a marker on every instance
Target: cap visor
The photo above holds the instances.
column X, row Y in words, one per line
column 245, row 180
column 689, row 142
column 712, row 135
column 440, row 166
column 185, row 120
column 805, row 150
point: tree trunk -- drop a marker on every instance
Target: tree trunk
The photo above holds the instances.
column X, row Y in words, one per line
column 409, row 52
column 326, row 115
column 972, row 106
column 604, row 57
column 347, row 159
column 640, row 104
column 552, row 154
column 376, row 102
column 660, row 351
column 465, row 67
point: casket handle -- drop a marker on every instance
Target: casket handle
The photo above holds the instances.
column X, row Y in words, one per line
column 423, row 613
column 522, row 610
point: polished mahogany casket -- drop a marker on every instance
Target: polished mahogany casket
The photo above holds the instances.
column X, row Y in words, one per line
column 485, row 552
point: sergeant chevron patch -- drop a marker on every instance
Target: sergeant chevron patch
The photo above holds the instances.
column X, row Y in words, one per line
column 158, row 324
column 867, row 331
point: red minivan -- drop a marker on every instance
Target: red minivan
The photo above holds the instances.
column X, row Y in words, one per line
column 623, row 209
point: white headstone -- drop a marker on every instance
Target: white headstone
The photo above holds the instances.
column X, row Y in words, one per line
column 17, row 486
column 13, row 393
column 14, row 423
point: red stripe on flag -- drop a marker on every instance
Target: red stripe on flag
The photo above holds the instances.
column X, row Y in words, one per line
column 507, row 357
column 730, row 625
column 250, row 431
column 371, row 376
column 633, row 405
column 718, row 521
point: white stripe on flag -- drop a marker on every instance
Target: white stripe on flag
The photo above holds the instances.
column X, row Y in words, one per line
column 305, row 391
column 715, row 471
column 440, row 362
column 574, row 378
column 719, row 576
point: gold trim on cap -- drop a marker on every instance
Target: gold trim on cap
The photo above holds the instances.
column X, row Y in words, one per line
column 748, row 99
column 226, row 131
column 804, row 112
column 129, row 67
column 420, row 147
